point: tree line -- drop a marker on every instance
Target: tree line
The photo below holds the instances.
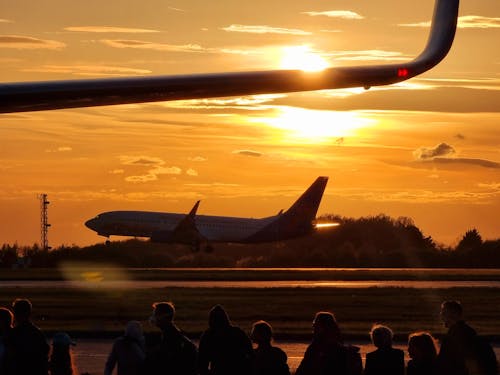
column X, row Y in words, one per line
column 375, row 241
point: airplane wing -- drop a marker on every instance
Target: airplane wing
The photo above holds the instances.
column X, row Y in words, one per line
column 37, row 96
column 184, row 232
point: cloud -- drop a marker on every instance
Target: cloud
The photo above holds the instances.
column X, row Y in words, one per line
column 86, row 70
column 60, row 149
column 442, row 154
column 141, row 160
column 197, row 159
column 117, row 171
column 425, row 153
column 109, row 29
column 470, row 161
column 344, row 14
column 247, row 153
column 465, row 22
column 191, row 172
column 263, row 29
column 367, row 55
column 3, row 20
column 176, row 9
column 140, row 44
column 460, row 136
column 26, row 42
column 156, row 168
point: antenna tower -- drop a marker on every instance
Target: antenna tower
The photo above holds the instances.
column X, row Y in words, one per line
column 44, row 225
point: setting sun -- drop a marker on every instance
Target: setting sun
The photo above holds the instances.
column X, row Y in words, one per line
column 316, row 125
column 303, row 58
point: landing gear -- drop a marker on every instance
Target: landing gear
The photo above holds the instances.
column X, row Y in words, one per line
column 107, row 242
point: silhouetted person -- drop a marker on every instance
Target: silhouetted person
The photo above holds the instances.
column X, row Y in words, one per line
column 327, row 354
column 457, row 346
column 29, row 348
column 268, row 359
column 128, row 352
column 6, row 319
column 386, row 360
column 175, row 354
column 462, row 352
column 423, row 354
column 224, row 349
column 61, row 357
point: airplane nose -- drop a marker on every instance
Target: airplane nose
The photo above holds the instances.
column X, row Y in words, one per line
column 91, row 224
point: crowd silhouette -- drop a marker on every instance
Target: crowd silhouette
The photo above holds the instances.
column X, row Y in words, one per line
column 225, row 349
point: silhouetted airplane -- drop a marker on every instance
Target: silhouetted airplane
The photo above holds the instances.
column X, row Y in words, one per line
column 194, row 229
column 37, row 96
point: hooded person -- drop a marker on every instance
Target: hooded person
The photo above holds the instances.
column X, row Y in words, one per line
column 128, row 351
column 224, row 349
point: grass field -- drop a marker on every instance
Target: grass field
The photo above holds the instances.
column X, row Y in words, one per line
column 101, row 312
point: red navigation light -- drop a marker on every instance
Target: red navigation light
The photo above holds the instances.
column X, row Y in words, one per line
column 402, row 72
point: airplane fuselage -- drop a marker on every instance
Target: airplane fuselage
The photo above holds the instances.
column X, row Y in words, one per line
column 146, row 224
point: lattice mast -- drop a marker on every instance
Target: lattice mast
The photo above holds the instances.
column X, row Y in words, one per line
column 44, row 222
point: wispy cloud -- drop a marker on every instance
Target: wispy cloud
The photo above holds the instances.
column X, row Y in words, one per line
column 117, row 171
column 250, row 103
column 109, row 29
column 367, row 55
column 197, row 159
column 3, row 20
column 140, row 44
column 192, row 172
column 60, row 149
column 344, row 14
column 88, row 70
column 248, row 153
column 465, row 22
column 176, row 9
column 264, row 29
column 26, row 42
column 470, row 161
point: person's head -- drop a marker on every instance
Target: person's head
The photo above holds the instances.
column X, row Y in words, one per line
column 451, row 312
column 6, row 319
column 134, row 331
column 381, row 336
column 325, row 326
column 62, row 340
column 22, row 310
column 262, row 333
column 218, row 318
column 163, row 314
column 422, row 346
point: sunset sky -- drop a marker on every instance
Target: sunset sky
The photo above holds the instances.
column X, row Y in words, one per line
column 428, row 149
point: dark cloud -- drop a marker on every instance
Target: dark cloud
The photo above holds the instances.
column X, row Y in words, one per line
column 247, row 153
column 26, row 42
column 460, row 136
column 479, row 162
column 425, row 153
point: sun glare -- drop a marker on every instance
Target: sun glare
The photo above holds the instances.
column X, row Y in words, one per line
column 302, row 58
column 316, row 125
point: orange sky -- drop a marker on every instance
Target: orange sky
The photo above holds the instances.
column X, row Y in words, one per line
column 427, row 149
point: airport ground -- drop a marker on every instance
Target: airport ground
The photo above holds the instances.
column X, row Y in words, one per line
column 95, row 312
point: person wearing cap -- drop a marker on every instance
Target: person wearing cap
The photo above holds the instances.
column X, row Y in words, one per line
column 28, row 348
column 175, row 354
column 61, row 358
column 128, row 352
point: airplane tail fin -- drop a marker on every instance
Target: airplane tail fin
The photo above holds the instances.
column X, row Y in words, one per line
column 298, row 219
